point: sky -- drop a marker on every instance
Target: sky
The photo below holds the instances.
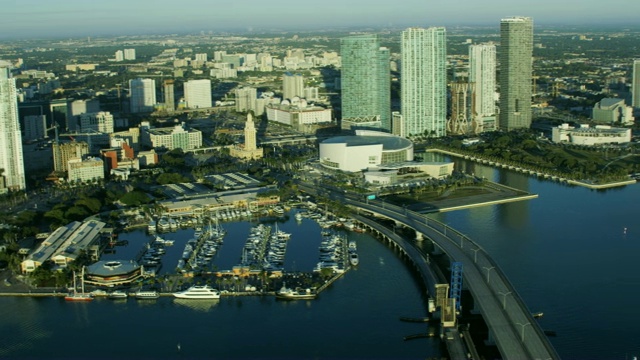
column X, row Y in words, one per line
column 78, row 18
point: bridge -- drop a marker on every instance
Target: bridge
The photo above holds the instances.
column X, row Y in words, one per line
column 512, row 327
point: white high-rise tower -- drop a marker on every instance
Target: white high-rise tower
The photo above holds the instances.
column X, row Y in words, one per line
column 424, row 81
column 11, row 158
column 635, row 86
column 142, row 93
column 482, row 73
column 197, row 93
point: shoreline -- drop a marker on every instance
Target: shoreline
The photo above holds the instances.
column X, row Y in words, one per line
column 533, row 172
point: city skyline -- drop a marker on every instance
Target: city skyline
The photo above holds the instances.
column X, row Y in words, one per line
column 40, row 18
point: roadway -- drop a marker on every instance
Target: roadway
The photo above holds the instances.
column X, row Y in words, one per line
column 515, row 332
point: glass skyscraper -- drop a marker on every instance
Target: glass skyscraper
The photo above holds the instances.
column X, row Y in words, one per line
column 11, row 157
column 516, row 58
column 365, row 79
column 424, row 81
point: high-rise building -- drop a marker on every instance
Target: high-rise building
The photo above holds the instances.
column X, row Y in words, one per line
column 11, row 157
column 424, row 81
column 516, row 60
column 96, row 122
column 119, row 55
column 129, row 54
column 245, row 98
column 482, row 77
column 292, row 86
column 365, row 79
column 635, row 86
column 64, row 152
column 197, row 93
column 142, row 94
column 169, row 97
column 34, row 127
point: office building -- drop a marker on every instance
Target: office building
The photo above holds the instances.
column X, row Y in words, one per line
column 85, row 170
column 197, row 93
column 365, row 79
column 635, row 86
column 424, row 81
column 169, row 97
column 482, row 78
column 245, row 99
column 34, row 127
column 11, row 157
column 142, row 95
column 171, row 138
column 129, row 54
column 516, row 57
column 96, row 122
column 292, row 86
column 612, row 111
column 63, row 152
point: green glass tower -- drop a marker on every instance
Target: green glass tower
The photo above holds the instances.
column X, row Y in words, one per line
column 366, row 79
column 516, row 57
column 424, row 81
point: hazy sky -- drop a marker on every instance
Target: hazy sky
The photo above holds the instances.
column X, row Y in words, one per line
column 40, row 18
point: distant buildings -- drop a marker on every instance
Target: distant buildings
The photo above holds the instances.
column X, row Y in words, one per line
column 245, row 99
column 119, row 55
column 197, row 93
column 612, row 111
column 11, row 157
column 169, row 97
column 129, row 54
column 292, row 85
column 142, row 95
column 424, row 81
column 516, row 58
column 482, row 78
column 365, row 79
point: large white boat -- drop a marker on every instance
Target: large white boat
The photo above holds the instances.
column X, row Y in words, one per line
column 295, row 294
column 198, row 292
column 147, row 294
column 117, row 294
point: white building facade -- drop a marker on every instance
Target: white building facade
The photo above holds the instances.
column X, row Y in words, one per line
column 142, row 95
column 85, row 170
column 424, row 81
column 197, row 93
column 482, row 80
column 11, row 157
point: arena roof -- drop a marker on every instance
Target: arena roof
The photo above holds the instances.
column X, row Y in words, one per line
column 389, row 143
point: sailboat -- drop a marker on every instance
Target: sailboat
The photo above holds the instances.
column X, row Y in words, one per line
column 78, row 296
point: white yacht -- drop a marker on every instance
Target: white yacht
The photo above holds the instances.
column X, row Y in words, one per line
column 198, row 292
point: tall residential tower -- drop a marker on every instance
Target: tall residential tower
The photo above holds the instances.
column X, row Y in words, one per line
column 424, row 81
column 142, row 93
column 635, row 86
column 482, row 74
column 11, row 161
column 516, row 58
column 366, row 79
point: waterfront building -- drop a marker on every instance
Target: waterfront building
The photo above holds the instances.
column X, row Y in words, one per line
column 250, row 150
column 11, row 157
column 197, row 93
column 96, row 122
column 365, row 79
column 65, row 244
column 171, row 138
column 85, row 170
column 292, row 86
column 142, row 95
column 586, row 135
column 34, row 127
column 635, row 84
column 113, row 273
column 424, row 81
column 405, row 171
column 516, row 57
column 612, row 111
column 129, row 54
column 482, row 76
column 364, row 150
column 169, row 97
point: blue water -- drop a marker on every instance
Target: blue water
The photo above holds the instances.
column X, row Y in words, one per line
column 566, row 252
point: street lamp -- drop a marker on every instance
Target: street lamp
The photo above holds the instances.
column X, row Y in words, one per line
column 488, row 271
column 523, row 326
column 504, row 298
column 475, row 255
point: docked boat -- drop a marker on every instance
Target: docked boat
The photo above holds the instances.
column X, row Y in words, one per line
column 278, row 210
column 163, row 225
column 78, row 296
column 118, row 294
column 295, row 294
column 198, row 292
column 151, row 227
column 147, row 294
column 353, row 259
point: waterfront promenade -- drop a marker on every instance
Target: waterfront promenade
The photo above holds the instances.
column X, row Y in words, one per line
column 511, row 324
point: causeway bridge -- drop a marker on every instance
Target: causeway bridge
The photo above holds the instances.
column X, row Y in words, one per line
column 512, row 327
